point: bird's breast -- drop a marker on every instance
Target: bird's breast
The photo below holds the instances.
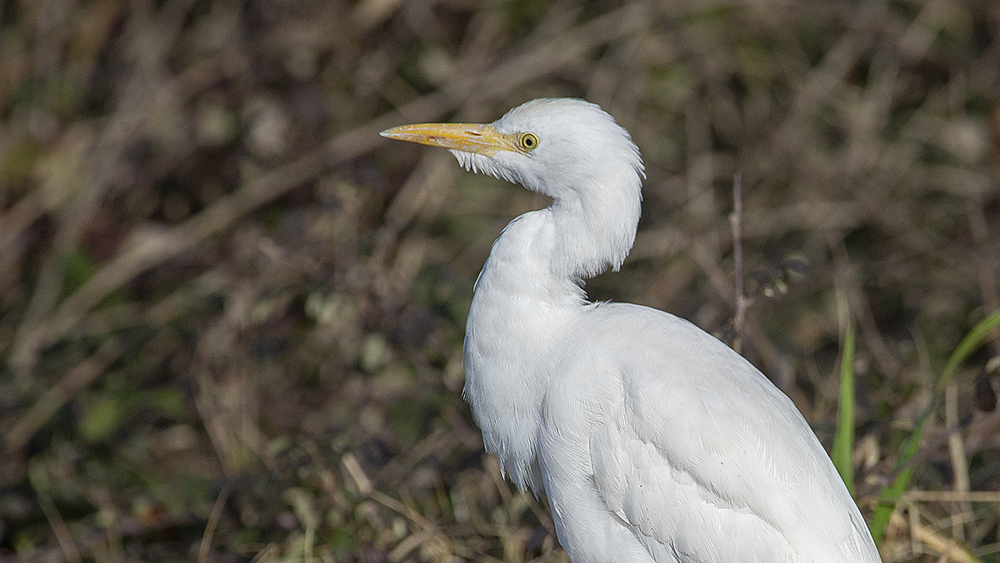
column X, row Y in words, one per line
column 519, row 320
column 510, row 347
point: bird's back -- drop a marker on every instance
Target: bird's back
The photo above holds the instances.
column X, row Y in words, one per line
column 690, row 447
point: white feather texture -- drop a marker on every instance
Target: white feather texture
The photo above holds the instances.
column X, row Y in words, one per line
column 653, row 441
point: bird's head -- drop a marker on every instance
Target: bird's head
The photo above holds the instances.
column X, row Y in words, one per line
column 556, row 146
column 568, row 149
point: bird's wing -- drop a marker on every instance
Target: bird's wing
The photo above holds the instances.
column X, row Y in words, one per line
column 707, row 461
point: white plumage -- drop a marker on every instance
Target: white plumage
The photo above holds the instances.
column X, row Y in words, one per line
column 653, row 441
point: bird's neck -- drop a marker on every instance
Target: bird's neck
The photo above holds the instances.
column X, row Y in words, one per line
column 526, row 302
column 520, row 310
column 592, row 234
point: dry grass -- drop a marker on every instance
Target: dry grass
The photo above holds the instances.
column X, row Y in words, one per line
column 231, row 316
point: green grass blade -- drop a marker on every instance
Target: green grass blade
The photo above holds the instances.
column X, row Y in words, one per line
column 843, row 441
column 966, row 347
column 891, row 494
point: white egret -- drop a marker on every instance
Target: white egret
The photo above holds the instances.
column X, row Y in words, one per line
column 653, row 441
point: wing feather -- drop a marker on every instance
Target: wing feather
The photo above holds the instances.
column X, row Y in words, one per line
column 690, row 458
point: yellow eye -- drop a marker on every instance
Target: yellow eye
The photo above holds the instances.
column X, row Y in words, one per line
column 528, row 141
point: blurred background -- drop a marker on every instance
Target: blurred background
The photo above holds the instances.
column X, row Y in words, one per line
column 231, row 314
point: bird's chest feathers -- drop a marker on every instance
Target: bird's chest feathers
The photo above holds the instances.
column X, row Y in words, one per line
column 509, row 361
column 520, row 316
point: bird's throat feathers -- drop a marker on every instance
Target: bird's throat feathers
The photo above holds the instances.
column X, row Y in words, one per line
column 482, row 164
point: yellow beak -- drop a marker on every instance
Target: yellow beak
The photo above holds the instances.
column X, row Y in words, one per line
column 467, row 137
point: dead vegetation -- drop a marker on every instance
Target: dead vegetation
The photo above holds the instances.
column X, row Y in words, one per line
column 231, row 316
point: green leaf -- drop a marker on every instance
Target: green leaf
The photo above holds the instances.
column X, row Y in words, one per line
column 101, row 419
